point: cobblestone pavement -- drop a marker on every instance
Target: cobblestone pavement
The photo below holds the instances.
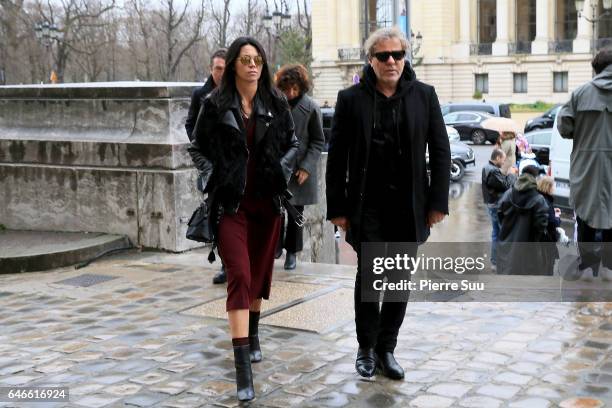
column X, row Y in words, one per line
column 126, row 334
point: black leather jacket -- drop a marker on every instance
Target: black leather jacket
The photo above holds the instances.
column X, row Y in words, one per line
column 219, row 151
column 494, row 183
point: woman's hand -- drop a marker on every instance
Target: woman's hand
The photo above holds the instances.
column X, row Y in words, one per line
column 301, row 175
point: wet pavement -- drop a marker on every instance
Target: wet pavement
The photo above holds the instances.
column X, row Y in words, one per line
column 134, row 330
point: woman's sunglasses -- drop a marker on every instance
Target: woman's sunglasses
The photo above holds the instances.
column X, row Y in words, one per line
column 246, row 60
column 384, row 55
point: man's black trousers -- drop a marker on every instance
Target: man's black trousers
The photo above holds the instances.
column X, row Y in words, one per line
column 378, row 326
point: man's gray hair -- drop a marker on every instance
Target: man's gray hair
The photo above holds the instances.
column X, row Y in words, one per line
column 386, row 33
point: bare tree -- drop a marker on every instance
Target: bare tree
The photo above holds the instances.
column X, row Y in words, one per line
column 221, row 22
column 305, row 22
column 72, row 16
column 180, row 32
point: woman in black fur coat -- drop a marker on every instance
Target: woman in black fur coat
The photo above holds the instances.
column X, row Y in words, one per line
column 245, row 147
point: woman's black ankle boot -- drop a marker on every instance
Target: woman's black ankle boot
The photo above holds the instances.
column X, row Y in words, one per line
column 244, row 375
column 255, row 349
column 256, row 355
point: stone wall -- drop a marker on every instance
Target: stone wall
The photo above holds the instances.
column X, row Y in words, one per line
column 111, row 158
column 98, row 157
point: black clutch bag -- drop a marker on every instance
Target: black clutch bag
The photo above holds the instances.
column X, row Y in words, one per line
column 199, row 227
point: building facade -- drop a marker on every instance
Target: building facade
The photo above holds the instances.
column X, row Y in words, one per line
column 518, row 51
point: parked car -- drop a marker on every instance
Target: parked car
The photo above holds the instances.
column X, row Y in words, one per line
column 559, row 166
column 469, row 126
column 327, row 115
column 462, row 156
column 453, row 135
column 493, row 108
column 539, row 141
column 545, row 121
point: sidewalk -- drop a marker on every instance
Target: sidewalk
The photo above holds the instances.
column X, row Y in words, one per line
column 140, row 329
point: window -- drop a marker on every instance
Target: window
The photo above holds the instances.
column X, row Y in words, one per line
column 525, row 20
column 542, row 138
column 559, row 82
column 482, row 83
column 487, row 21
column 450, row 118
column 566, row 20
column 467, row 117
column 520, row 83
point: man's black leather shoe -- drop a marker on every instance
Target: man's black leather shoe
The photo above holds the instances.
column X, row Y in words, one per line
column 366, row 362
column 220, row 277
column 290, row 261
column 389, row 366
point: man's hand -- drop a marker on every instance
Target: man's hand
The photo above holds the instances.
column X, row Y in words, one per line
column 340, row 222
column 301, row 175
column 434, row 217
column 513, row 170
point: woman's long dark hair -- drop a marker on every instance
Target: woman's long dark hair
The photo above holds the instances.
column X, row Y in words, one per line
column 268, row 94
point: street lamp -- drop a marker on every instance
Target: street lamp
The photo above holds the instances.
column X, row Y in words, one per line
column 48, row 33
column 415, row 44
column 607, row 5
column 275, row 24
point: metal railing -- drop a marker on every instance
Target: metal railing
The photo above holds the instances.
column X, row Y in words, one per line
column 351, row 54
column 603, row 43
column 481, row 49
column 560, row 46
column 519, row 47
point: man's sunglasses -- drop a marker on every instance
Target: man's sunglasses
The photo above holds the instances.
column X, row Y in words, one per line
column 246, row 60
column 384, row 55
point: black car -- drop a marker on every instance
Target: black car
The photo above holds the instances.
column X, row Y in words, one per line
column 539, row 141
column 543, row 122
column 469, row 126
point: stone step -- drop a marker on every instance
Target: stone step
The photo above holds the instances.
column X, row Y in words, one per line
column 28, row 251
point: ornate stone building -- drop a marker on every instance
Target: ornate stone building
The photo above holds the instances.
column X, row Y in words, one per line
column 508, row 50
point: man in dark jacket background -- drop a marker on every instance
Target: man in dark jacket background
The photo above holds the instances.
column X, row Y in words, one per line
column 523, row 215
column 217, row 67
column 494, row 184
column 377, row 184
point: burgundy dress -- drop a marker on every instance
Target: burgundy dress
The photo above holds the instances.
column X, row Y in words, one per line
column 247, row 240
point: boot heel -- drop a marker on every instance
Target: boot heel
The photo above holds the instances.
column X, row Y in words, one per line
column 244, row 374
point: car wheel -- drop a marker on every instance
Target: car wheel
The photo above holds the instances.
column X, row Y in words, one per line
column 479, row 137
column 457, row 170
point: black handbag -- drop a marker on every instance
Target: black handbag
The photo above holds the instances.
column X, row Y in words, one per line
column 199, row 227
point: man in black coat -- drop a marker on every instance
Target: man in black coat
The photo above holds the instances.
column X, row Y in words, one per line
column 377, row 184
column 494, row 184
column 217, row 67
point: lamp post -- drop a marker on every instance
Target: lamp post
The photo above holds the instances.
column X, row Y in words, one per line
column 594, row 19
column 415, row 46
column 48, row 33
column 276, row 23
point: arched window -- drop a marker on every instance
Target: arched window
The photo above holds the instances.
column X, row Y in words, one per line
column 525, row 20
column 375, row 14
column 604, row 28
column 487, row 21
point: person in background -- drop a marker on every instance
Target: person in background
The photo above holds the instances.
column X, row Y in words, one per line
column 293, row 81
column 217, row 66
column 245, row 146
column 507, row 143
column 551, row 236
column 523, row 216
column 587, row 120
column 494, row 184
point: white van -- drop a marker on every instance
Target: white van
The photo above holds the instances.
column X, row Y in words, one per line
column 559, row 168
